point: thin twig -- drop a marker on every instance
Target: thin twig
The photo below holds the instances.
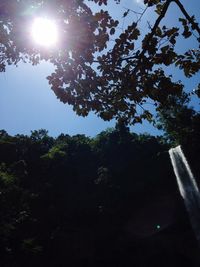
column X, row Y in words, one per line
column 135, row 12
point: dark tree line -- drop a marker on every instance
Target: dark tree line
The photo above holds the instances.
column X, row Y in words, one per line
column 111, row 200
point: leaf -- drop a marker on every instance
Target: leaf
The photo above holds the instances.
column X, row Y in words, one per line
column 164, row 49
column 112, row 31
column 197, row 91
column 186, row 33
column 159, row 8
column 158, row 32
column 126, row 13
column 183, row 21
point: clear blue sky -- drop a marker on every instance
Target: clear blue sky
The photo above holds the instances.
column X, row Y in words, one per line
column 27, row 102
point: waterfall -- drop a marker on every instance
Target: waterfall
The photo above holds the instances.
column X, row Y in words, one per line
column 187, row 186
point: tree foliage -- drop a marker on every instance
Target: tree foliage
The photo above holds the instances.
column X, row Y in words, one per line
column 92, row 73
column 74, row 200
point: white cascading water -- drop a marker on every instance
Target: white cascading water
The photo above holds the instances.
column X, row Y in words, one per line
column 188, row 187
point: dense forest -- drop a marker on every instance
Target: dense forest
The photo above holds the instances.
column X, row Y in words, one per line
column 111, row 200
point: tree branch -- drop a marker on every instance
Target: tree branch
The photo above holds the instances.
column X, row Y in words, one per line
column 190, row 19
column 162, row 15
column 153, row 30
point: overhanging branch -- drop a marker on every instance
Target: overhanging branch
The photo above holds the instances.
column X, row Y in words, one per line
column 190, row 19
column 162, row 15
column 153, row 31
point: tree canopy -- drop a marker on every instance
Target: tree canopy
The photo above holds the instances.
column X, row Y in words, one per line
column 97, row 69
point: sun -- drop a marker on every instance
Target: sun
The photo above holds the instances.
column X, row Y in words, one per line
column 44, row 32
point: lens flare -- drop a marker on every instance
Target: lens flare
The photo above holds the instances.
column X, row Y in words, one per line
column 44, row 32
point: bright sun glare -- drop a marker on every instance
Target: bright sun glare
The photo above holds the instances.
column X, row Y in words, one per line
column 44, row 32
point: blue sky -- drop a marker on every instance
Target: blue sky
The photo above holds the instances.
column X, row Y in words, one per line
column 27, row 102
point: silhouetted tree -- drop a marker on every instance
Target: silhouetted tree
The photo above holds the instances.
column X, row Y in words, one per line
column 91, row 73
